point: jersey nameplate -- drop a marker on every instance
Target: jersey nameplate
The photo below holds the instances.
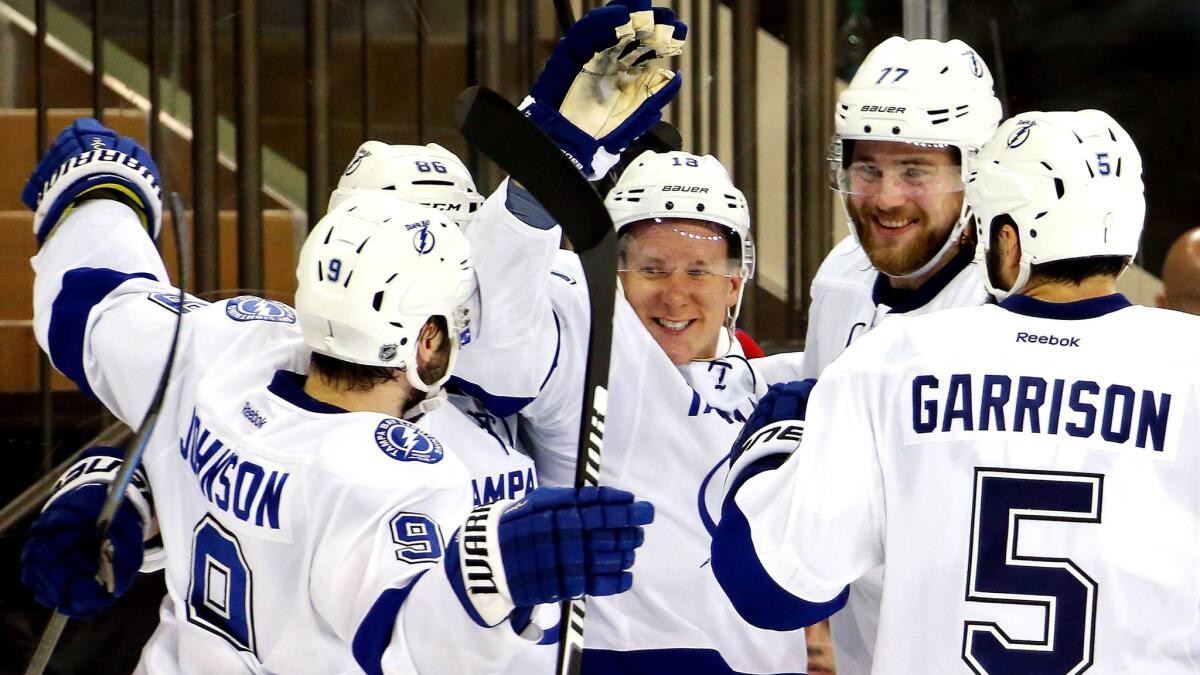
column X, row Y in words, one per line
column 404, row 442
column 249, row 308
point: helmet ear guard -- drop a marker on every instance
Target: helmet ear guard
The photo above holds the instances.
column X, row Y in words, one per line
column 371, row 275
column 429, row 175
column 1071, row 183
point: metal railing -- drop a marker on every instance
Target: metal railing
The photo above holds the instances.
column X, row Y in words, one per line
column 499, row 43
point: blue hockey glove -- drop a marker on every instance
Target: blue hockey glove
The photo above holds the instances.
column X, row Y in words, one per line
column 555, row 544
column 772, row 433
column 603, row 86
column 85, row 158
column 60, row 563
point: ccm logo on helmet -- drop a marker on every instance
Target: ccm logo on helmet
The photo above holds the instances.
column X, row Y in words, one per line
column 882, row 109
column 685, row 188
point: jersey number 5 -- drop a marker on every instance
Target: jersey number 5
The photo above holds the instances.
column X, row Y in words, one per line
column 998, row 573
column 220, row 595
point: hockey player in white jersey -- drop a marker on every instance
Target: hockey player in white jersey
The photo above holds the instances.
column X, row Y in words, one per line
column 679, row 389
column 913, row 115
column 904, row 129
column 1024, row 472
column 309, row 500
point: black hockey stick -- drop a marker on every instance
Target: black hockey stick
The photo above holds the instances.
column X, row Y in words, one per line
column 565, row 14
column 501, row 132
column 133, row 452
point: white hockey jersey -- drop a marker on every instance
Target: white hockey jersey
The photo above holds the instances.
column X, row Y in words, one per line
column 667, row 438
column 849, row 298
column 1024, row 473
column 298, row 537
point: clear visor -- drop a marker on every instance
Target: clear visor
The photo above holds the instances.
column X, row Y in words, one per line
column 682, row 258
column 904, row 170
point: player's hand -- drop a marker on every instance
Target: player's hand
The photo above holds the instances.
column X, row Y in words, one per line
column 89, row 160
column 555, row 544
column 60, row 561
column 604, row 86
column 774, row 430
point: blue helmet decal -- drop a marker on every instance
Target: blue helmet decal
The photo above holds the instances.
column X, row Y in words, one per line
column 403, row 441
column 424, row 241
column 249, row 308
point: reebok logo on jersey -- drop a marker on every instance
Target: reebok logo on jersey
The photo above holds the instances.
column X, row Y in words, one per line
column 253, row 415
column 1051, row 340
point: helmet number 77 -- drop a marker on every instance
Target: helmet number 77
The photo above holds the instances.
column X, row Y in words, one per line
column 900, row 73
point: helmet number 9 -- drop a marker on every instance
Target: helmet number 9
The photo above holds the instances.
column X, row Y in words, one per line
column 1102, row 164
column 431, row 167
column 686, row 161
column 335, row 270
column 900, row 73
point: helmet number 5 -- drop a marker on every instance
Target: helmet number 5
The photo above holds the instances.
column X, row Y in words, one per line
column 1102, row 165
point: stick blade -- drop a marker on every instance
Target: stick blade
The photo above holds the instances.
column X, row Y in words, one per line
column 520, row 149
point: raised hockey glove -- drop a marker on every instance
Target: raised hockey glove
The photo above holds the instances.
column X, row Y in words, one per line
column 603, row 86
column 772, row 433
column 89, row 160
column 60, row 563
column 555, row 544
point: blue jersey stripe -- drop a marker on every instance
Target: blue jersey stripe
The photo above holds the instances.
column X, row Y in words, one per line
column 754, row 594
column 82, row 289
column 665, row 662
column 374, row 634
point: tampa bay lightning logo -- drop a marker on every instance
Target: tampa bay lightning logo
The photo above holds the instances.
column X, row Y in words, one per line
column 249, row 308
column 171, row 301
column 1017, row 138
column 424, row 241
column 404, row 442
column 976, row 66
column 357, row 161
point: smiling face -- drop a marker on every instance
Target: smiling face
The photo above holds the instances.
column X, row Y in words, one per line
column 680, row 279
column 904, row 200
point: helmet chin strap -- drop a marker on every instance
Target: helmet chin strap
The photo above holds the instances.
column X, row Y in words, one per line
column 951, row 239
column 432, row 389
column 1023, row 271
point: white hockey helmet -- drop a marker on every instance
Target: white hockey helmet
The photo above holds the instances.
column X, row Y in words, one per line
column 425, row 174
column 373, row 272
column 922, row 92
column 682, row 185
column 1070, row 181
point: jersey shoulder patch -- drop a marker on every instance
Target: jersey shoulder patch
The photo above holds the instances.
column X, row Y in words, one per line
column 171, row 301
column 404, row 442
column 250, row 308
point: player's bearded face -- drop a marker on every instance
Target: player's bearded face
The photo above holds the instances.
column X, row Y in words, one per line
column 904, row 200
column 678, row 277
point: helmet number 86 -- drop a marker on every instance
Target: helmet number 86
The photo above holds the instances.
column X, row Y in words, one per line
column 431, row 167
